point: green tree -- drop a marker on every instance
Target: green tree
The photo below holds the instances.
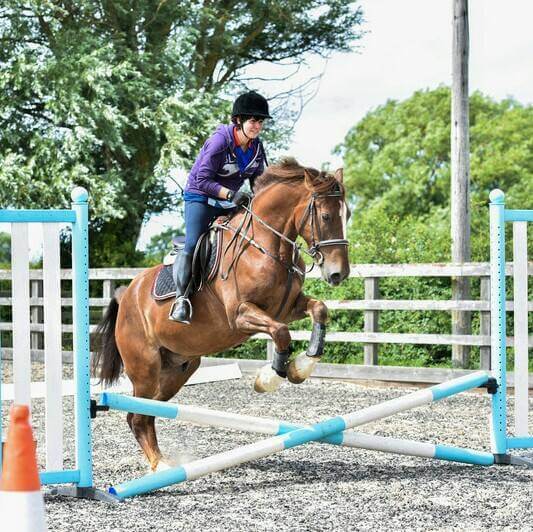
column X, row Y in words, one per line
column 397, row 170
column 160, row 245
column 397, row 167
column 110, row 94
column 5, row 250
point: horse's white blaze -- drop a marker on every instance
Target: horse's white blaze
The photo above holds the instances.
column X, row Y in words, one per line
column 343, row 215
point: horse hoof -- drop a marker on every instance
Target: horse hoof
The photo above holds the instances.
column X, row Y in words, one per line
column 161, row 466
column 175, row 460
column 267, row 380
column 301, row 368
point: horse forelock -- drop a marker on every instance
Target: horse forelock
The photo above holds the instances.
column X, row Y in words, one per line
column 288, row 170
column 324, row 182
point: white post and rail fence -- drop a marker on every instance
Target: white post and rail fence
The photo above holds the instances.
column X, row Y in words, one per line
column 371, row 337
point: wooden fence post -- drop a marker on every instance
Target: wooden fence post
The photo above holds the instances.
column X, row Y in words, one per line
column 460, row 176
column 371, row 321
column 107, row 289
column 484, row 326
column 270, row 349
column 36, row 314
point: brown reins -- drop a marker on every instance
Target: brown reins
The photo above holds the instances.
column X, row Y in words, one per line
column 312, row 251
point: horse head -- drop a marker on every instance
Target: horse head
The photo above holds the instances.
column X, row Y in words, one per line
column 321, row 219
column 314, row 204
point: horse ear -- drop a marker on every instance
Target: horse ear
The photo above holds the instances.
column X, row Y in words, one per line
column 309, row 178
column 339, row 175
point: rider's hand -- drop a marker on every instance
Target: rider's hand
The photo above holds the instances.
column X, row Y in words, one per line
column 241, row 197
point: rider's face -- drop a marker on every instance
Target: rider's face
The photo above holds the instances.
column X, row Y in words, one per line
column 252, row 127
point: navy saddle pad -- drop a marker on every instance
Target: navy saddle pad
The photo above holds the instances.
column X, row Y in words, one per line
column 205, row 267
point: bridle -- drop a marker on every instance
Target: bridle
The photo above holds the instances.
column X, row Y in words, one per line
column 312, row 251
column 310, row 212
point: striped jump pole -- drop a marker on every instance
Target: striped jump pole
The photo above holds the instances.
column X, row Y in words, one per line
column 276, row 427
column 316, row 432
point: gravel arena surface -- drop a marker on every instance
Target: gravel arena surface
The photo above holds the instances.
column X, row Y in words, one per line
column 312, row 487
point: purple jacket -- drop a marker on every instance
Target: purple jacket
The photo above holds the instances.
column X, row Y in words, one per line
column 217, row 166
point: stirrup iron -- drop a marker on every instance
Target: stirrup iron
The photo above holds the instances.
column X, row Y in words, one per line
column 181, row 299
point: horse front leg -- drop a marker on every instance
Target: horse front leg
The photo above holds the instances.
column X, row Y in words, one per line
column 250, row 320
column 303, row 365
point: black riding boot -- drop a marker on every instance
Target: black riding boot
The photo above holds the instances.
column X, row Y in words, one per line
column 181, row 309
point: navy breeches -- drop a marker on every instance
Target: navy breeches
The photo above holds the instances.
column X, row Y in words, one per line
column 198, row 216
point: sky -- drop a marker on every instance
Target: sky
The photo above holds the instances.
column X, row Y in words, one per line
column 407, row 47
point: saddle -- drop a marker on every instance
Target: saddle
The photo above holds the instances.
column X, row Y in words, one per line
column 205, row 263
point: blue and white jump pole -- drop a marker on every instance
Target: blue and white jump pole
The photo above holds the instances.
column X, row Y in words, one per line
column 276, row 427
column 316, row 432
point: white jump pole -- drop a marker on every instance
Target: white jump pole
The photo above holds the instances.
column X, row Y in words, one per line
column 318, row 431
column 276, row 427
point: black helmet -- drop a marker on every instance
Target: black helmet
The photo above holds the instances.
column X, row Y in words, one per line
column 250, row 104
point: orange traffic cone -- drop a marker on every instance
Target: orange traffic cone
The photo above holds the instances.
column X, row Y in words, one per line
column 21, row 501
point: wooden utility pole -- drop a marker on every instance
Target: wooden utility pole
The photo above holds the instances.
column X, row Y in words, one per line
column 460, row 174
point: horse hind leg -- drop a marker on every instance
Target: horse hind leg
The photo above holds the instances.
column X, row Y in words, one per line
column 172, row 378
column 145, row 386
column 161, row 384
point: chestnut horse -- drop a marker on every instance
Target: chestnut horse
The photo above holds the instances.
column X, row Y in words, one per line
column 258, row 289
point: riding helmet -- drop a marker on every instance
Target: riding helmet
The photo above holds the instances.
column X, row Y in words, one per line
column 250, row 104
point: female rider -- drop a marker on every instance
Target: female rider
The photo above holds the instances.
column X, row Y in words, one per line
column 231, row 155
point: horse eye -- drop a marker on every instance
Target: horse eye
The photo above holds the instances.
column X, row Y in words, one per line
column 326, row 217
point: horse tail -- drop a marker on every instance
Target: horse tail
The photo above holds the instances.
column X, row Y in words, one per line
column 107, row 363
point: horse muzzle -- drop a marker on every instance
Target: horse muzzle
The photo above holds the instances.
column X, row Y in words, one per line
column 335, row 279
column 334, row 276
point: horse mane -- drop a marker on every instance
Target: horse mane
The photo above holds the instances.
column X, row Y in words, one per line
column 288, row 170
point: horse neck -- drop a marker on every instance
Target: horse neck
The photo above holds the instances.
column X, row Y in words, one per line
column 276, row 207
